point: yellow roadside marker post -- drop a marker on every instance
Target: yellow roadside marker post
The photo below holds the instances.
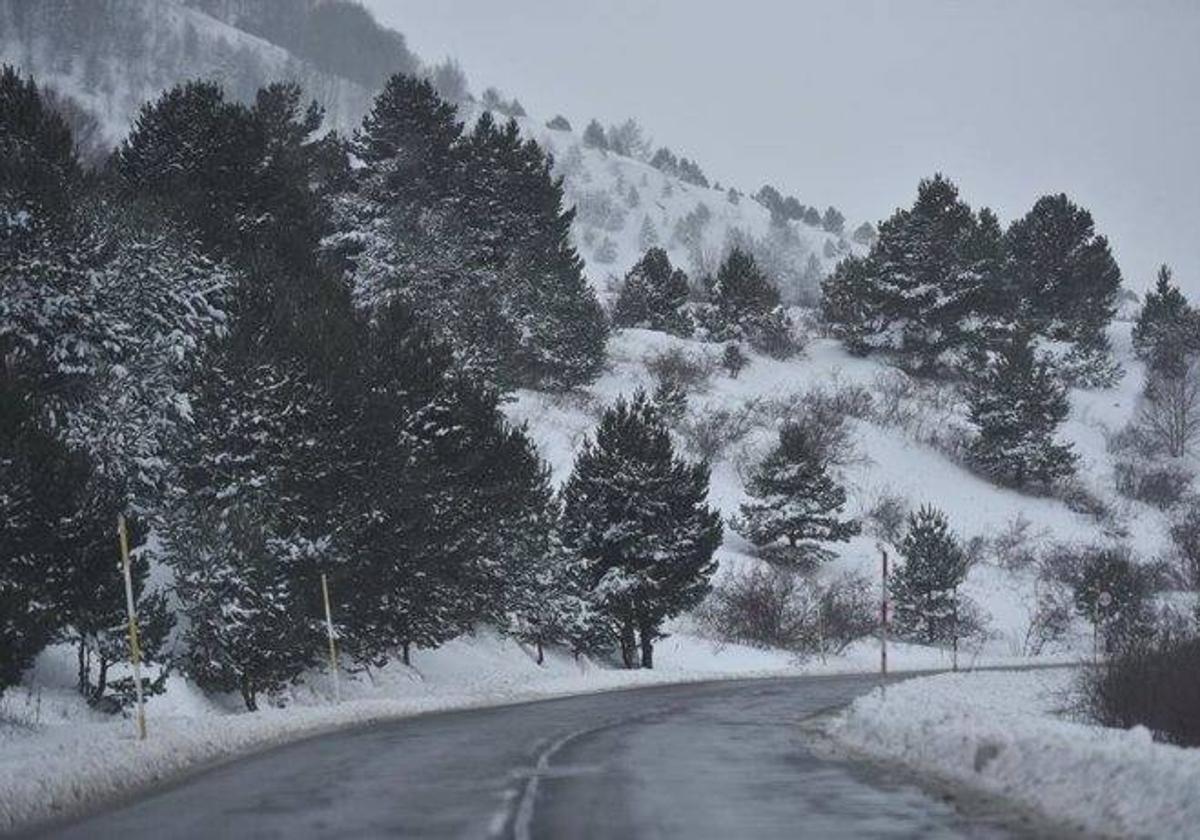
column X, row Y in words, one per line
column 135, row 648
column 333, row 669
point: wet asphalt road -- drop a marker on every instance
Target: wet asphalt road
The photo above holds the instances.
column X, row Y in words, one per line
column 716, row 760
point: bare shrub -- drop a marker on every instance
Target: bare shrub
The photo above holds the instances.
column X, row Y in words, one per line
column 1051, row 618
column 1170, row 412
column 762, row 607
column 1016, row 546
column 1161, row 484
column 774, row 608
column 734, row 360
column 709, row 432
column 677, row 367
column 1156, row 686
column 1185, row 536
column 885, row 518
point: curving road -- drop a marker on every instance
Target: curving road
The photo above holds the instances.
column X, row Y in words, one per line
column 715, row 760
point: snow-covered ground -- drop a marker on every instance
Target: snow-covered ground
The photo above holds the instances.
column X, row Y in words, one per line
column 1008, row 733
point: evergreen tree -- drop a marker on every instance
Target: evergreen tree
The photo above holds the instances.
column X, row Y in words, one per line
column 742, row 288
column 921, row 284
column 1017, row 404
column 794, row 499
column 654, row 296
column 594, row 136
column 745, row 304
column 1064, row 280
column 39, row 171
column 1167, row 330
column 636, row 514
column 833, row 221
column 846, row 304
column 239, row 529
column 925, row 587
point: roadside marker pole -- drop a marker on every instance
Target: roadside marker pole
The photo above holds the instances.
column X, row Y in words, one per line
column 333, row 669
column 135, row 648
column 883, row 617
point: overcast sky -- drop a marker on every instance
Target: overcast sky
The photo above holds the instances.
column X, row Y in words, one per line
column 851, row 103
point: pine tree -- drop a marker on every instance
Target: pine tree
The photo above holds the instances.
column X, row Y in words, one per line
column 925, row 587
column 921, row 283
column 1063, row 277
column 1017, row 404
column 594, row 136
column 647, row 234
column 1168, row 328
column 742, row 289
column 241, row 527
column 39, row 171
column 794, row 499
column 654, row 296
column 846, row 304
column 636, row 514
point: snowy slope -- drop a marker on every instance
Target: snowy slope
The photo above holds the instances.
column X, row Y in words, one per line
column 151, row 45
column 889, row 459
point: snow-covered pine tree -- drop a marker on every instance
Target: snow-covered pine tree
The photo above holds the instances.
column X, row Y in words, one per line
column 1167, row 330
column 636, row 513
column 239, row 531
column 925, row 587
column 516, row 215
column 1017, row 404
column 846, row 304
column 39, row 483
column 654, row 296
column 794, row 499
column 1063, row 275
column 39, row 171
column 921, row 283
column 594, row 136
column 647, row 234
column 744, row 304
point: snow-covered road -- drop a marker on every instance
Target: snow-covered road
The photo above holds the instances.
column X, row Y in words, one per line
column 704, row 760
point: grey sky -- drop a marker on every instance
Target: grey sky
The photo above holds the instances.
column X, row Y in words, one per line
column 850, row 103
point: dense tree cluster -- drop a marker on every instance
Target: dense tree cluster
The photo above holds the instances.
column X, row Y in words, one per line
column 941, row 280
column 285, row 354
column 468, row 229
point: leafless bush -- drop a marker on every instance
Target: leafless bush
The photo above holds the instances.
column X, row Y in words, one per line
column 885, row 518
column 1016, row 546
column 1170, row 411
column 676, row 367
column 1051, row 619
column 1185, row 536
column 710, row 431
column 1156, row 686
column 1158, row 483
column 599, row 209
column 774, row 608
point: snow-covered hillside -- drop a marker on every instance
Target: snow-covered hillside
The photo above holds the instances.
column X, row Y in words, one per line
column 138, row 48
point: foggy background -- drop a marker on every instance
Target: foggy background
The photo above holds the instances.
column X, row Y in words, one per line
column 852, row 103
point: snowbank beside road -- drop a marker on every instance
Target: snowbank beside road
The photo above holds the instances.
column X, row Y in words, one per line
column 1003, row 732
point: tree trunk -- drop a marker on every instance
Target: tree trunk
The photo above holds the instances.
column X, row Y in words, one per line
column 83, row 668
column 406, row 653
column 249, row 694
column 101, row 680
column 647, row 648
column 541, row 653
column 628, row 645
